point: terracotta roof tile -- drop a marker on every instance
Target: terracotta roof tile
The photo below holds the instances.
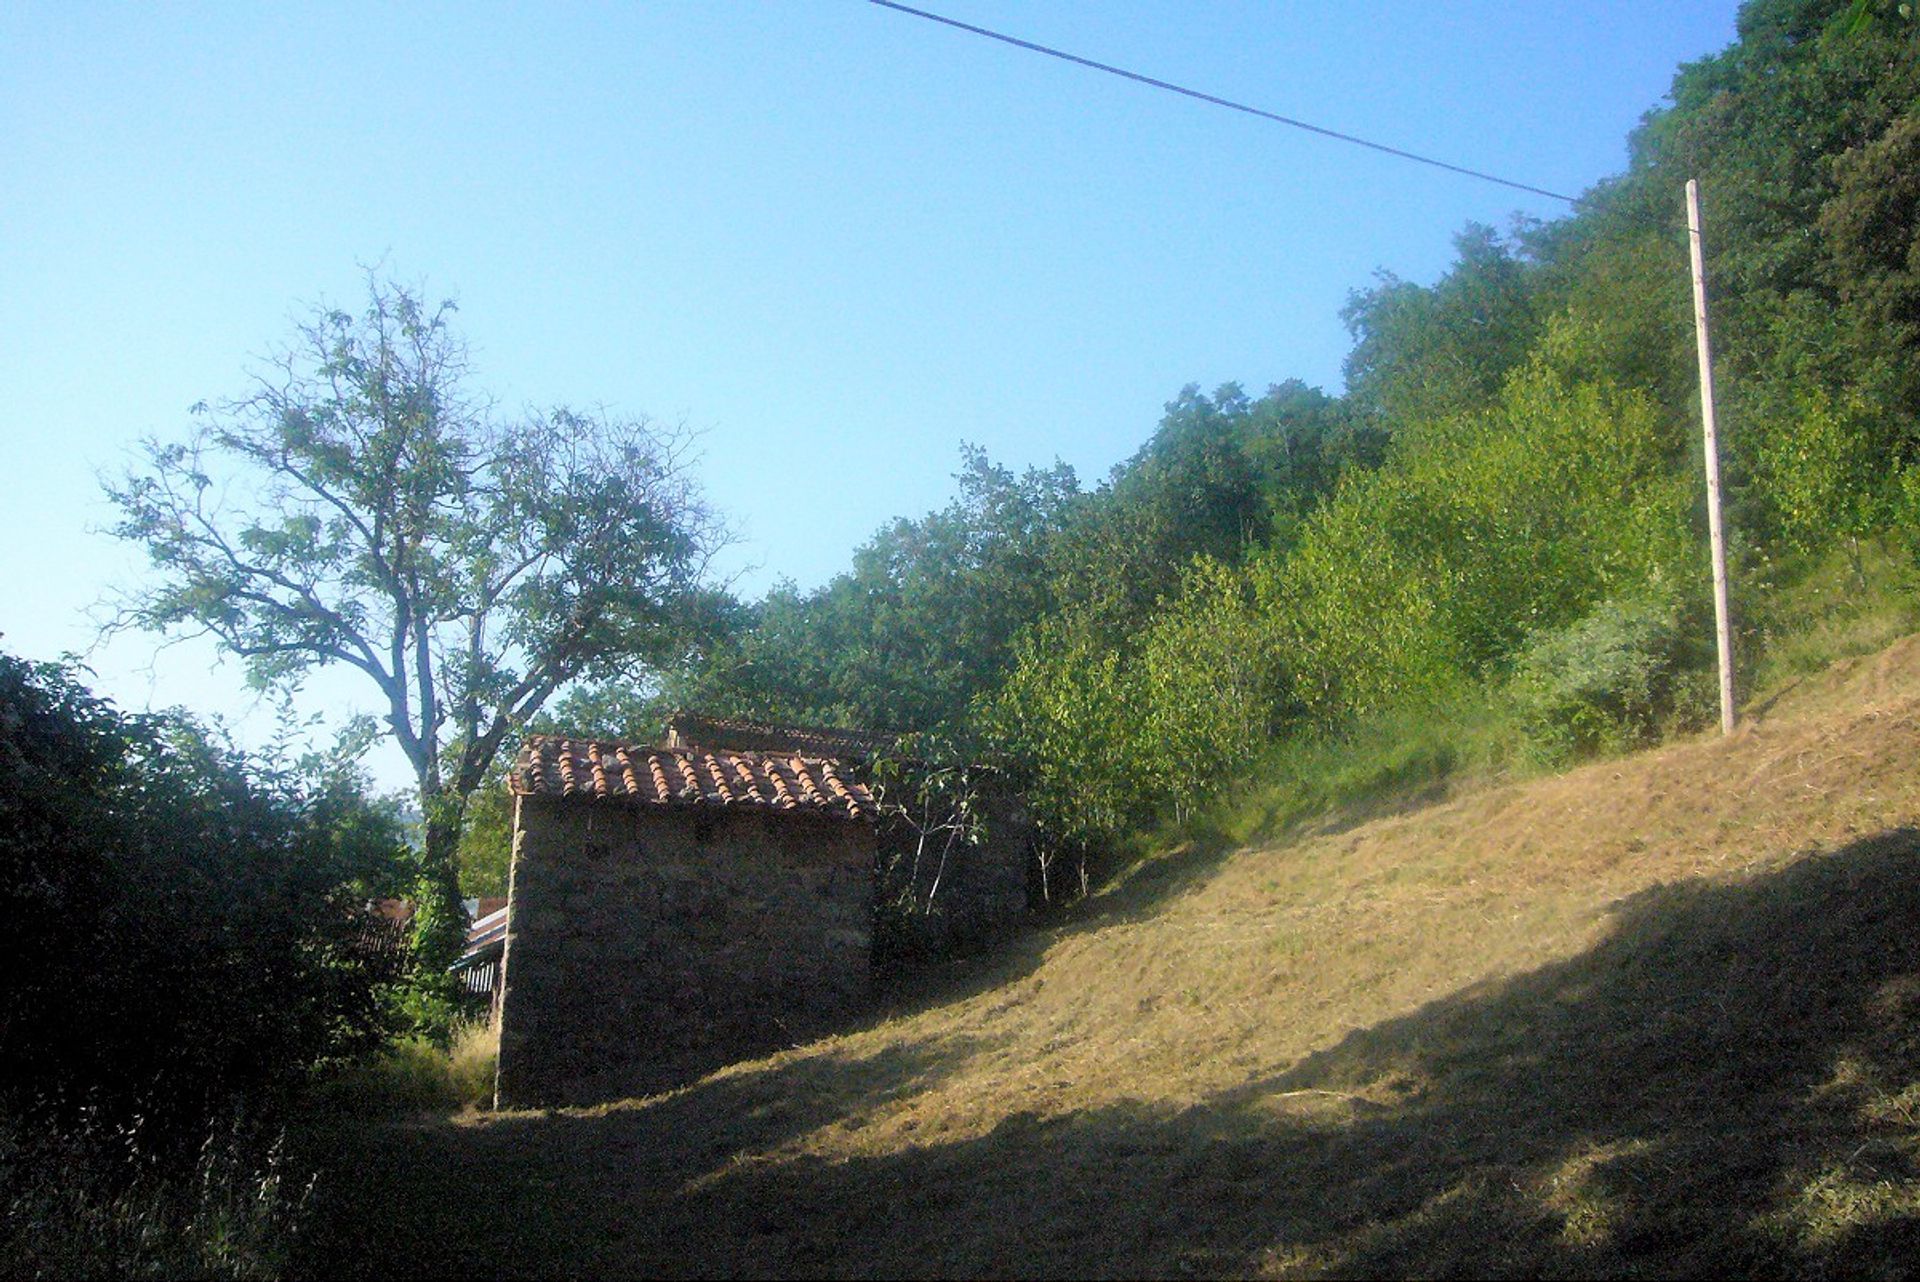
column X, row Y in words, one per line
column 627, row 776
column 555, row 766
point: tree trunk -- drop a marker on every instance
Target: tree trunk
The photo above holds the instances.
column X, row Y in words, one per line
column 439, row 922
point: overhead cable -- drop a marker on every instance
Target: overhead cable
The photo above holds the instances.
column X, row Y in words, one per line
column 1228, row 103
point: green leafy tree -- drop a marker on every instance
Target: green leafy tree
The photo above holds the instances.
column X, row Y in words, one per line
column 1479, row 531
column 1221, row 475
column 1775, row 128
column 1616, row 276
column 1300, row 441
column 1871, row 226
column 1118, row 735
column 1422, row 352
column 1067, row 711
column 1825, row 469
column 1192, row 489
column 1210, row 685
column 923, row 621
column 486, row 840
column 1862, row 15
column 361, row 507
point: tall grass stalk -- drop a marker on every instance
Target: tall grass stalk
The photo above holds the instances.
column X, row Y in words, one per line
column 89, row 1199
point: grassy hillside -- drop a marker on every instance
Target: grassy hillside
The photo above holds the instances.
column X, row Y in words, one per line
column 1656, row 1015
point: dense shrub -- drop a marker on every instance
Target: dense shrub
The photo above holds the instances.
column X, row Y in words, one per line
column 1120, row 735
column 1606, row 682
column 1478, row 532
column 182, row 922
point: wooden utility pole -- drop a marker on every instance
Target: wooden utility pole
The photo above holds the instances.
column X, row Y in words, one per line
column 1716, row 530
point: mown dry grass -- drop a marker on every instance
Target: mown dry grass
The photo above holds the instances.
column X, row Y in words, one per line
column 1653, row 1016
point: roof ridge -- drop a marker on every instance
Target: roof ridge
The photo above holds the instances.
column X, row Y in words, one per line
column 635, row 746
column 782, row 781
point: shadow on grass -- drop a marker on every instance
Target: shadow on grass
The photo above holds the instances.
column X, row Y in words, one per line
column 1727, row 1084
column 538, row 1193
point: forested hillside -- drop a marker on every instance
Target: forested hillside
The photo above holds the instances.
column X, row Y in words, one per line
column 1501, row 516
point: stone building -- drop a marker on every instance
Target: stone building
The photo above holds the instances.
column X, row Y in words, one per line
column 677, row 907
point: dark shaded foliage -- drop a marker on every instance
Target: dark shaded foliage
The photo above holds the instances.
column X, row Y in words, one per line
column 181, row 922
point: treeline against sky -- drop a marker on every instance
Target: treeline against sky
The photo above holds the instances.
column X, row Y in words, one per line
column 1507, row 496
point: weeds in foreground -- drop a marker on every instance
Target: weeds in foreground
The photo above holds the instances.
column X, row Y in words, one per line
column 93, row 1199
column 96, row 1198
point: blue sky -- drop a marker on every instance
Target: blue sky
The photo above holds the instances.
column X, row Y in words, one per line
column 838, row 240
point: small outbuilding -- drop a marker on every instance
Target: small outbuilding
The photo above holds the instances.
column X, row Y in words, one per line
column 675, row 907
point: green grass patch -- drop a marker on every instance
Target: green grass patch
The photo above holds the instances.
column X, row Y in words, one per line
column 1820, row 609
column 1380, row 764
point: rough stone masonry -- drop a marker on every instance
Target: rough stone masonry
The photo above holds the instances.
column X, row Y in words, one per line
column 675, row 909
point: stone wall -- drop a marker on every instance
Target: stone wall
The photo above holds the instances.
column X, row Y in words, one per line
column 648, row 945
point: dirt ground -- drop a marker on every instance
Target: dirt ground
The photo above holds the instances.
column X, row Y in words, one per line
column 1655, row 1015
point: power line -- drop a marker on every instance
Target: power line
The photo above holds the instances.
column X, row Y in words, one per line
column 1228, row 103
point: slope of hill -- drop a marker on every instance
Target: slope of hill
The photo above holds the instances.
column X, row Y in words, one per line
column 1655, row 1015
